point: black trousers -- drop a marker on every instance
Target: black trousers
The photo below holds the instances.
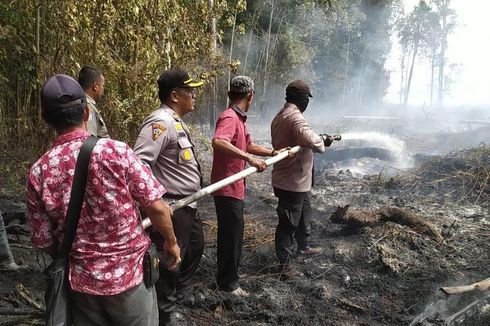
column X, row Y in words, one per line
column 190, row 238
column 294, row 212
column 229, row 212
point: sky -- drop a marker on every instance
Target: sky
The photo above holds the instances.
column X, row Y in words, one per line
column 468, row 47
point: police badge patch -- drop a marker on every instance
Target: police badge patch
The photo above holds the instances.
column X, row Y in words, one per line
column 157, row 130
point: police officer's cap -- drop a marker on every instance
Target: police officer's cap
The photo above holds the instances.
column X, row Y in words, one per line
column 177, row 78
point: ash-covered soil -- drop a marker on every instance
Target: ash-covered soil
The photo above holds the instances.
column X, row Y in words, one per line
column 382, row 273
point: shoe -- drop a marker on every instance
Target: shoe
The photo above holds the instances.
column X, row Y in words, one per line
column 308, row 251
column 239, row 292
column 286, row 272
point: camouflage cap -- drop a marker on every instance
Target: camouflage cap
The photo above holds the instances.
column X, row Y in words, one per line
column 241, row 84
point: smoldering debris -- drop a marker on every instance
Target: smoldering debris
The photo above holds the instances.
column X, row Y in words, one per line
column 461, row 175
column 361, row 217
column 467, row 310
column 385, row 271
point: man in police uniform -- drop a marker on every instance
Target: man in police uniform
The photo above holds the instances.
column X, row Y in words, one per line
column 165, row 145
column 92, row 82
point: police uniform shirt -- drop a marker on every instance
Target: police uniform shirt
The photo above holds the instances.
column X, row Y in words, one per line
column 95, row 124
column 164, row 144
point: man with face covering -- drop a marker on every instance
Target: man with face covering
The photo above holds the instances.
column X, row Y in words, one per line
column 292, row 178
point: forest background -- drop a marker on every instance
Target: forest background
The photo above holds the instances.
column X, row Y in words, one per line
column 338, row 46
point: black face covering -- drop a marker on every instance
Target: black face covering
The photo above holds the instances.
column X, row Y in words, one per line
column 299, row 99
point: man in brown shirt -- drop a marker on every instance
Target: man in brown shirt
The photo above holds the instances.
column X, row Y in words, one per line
column 292, row 178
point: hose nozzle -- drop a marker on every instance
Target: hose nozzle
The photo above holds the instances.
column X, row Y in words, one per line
column 328, row 140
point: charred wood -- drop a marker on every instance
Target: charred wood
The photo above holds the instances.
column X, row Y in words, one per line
column 358, row 218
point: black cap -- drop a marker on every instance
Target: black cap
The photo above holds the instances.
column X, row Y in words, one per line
column 298, row 87
column 60, row 92
column 177, row 78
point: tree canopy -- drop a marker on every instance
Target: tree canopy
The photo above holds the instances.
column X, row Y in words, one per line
column 338, row 46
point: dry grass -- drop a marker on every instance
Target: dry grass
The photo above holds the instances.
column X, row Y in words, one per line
column 256, row 233
column 462, row 175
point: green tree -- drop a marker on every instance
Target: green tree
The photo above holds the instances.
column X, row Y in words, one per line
column 131, row 41
column 338, row 46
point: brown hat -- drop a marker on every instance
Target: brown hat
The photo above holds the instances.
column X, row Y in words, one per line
column 298, row 87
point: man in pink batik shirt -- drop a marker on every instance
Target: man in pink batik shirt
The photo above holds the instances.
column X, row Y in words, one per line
column 105, row 270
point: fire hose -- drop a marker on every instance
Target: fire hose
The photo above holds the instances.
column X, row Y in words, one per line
column 229, row 180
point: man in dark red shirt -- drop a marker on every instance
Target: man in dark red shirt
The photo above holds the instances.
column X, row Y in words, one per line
column 233, row 147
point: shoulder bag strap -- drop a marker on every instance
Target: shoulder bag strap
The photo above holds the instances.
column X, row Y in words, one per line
column 77, row 195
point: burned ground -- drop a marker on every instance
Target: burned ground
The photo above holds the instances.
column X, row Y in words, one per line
column 380, row 274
